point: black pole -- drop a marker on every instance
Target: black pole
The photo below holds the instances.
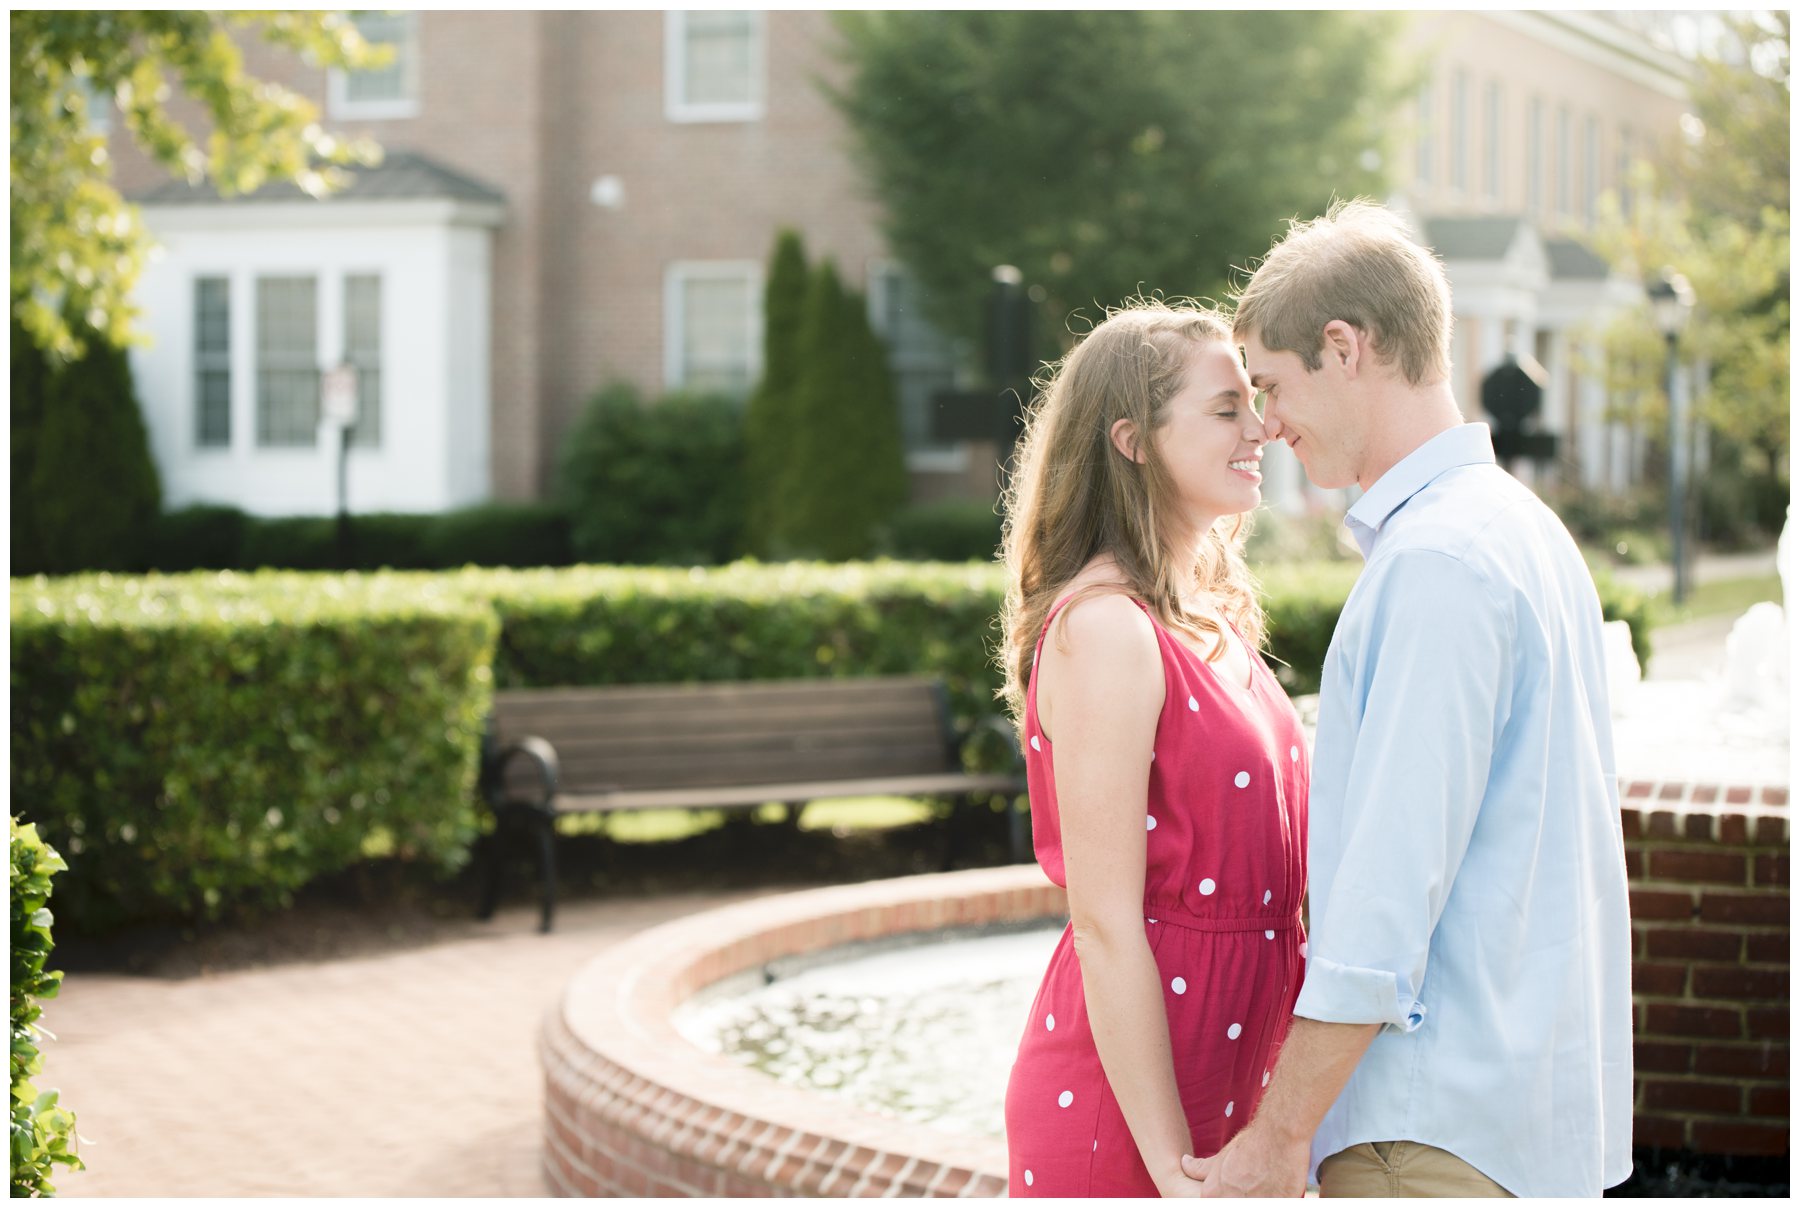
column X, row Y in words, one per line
column 1677, row 521
column 343, row 516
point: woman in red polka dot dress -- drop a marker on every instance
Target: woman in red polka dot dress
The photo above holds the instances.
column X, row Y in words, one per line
column 1167, row 769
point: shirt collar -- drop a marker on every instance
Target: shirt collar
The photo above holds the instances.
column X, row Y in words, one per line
column 1463, row 445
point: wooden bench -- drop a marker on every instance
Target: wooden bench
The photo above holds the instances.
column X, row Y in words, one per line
column 731, row 745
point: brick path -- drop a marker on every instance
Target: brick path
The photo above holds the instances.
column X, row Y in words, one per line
column 406, row 1074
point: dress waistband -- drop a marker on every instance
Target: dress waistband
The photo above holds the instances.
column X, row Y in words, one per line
column 1175, row 918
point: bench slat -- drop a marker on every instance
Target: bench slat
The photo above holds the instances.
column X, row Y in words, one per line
column 736, row 795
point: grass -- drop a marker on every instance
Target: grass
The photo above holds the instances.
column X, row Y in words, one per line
column 1726, row 597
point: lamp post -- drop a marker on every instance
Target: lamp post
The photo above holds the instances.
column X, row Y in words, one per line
column 1671, row 301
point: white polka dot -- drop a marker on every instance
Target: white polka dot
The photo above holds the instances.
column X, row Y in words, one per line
column 1242, row 780
column 1193, row 704
column 1229, row 1106
column 1027, row 1178
column 1150, row 822
column 1267, row 894
column 1294, row 754
column 1207, row 886
column 1268, row 935
column 1265, row 1077
column 1066, row 1098
column 1302, row 951
column 1050, row 1023
column 1096, row 1145
column 1153, row 920
column 1179, row 985
column 1153, row 757
column 1035, row 745
column 1235, row 1030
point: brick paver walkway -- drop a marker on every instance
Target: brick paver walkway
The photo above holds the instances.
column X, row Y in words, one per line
column 412, row 1073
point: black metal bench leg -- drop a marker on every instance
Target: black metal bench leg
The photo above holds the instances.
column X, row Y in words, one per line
column 493, row 857
column 546, row 837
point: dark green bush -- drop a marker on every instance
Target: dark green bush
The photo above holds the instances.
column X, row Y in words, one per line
column 955, row 531
column 290, row 543
column 205, row 536
column 41, row 1131
column 655, row 483
column 769, row 416
column 194, row 742
column 82, row 471
column 499, row 534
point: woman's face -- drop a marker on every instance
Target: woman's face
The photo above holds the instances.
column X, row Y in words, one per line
column 1210, row 440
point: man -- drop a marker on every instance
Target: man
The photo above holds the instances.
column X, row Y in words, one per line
column 1465, row 1024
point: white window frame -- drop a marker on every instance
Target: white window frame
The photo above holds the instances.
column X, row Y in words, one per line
column 339, row 104
column 232, row 370
column 675, row 105
column 675, row 278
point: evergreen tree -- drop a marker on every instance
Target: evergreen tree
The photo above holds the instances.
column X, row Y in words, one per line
column 846, row 474
column 29, row 378
column 769, row 415
column 89, row 486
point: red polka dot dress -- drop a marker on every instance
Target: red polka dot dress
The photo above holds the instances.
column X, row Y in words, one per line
column 1225, row 869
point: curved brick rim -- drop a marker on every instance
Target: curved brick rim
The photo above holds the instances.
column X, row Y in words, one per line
column 633, row 1109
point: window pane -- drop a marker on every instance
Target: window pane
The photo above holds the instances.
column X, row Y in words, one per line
column 715, row 334
column 1492, row 181
column 1459, row 131
column 921, row 360
column 212, row 362
column 1425, row 133
column 1534, row 157
column 287, row 367
column 1564, row 165
column 717, row 53
column 1590, row 182
column 393, row 82
column 362, row 348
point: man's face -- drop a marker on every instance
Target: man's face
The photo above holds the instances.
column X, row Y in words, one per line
column 1309, row 411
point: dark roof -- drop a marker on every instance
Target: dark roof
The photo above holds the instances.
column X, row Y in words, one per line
column 1485, row 238
column 401, row 176
column 1570, row 260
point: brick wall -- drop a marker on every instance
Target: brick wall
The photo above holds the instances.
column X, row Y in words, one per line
column 1708, row 869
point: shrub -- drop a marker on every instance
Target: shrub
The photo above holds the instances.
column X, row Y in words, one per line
column 290, row 543
column 41, row 1131
column 205, row 536
column 769, row 416
column 955, row 531
column 499, row 534
column 84, row 473
column 662, row 483
column 193, row 742
column 213, row 537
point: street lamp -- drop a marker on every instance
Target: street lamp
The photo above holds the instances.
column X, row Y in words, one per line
column 1671, row 301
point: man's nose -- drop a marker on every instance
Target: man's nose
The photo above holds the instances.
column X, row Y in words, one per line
column 1271, row 423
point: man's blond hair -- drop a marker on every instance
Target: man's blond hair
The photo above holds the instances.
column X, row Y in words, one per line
column 1358, row 263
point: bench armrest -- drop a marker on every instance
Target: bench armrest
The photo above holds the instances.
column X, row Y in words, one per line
column 496, row 759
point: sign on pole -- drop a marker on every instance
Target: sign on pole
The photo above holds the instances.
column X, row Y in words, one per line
column 338, row 400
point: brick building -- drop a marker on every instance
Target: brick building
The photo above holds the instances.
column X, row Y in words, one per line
column 575, row 197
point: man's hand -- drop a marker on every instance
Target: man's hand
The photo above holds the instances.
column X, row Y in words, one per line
column 1255, row 1163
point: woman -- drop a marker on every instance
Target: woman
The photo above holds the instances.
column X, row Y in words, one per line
column 1167, row 769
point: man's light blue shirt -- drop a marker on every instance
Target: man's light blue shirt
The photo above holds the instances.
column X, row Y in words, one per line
column 1466, row 859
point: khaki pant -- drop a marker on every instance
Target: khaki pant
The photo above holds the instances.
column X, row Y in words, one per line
column 1404, row 1169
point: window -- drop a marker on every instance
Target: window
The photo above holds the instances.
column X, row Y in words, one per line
column 1425, row 133
column 382, row 92
column 1534, row 157
column 714, row 327
column 712, row 66
column 922, row 360
column 1564, row 162
column 1459, row 131
column 99, row 106
column 212, row 362
column 1590, row 171
column 362, row 350
column 287, row 365
column 1491, row 160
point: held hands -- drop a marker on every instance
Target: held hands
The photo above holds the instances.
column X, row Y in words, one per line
column 1253, row 1164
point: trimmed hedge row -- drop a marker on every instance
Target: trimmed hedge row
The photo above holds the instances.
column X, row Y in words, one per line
column 194, row 742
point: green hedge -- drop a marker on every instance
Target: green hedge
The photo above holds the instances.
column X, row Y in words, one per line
column 41, row 1131
column 193, row 742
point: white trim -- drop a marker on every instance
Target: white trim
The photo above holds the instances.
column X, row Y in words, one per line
column 1602, row 44
column 675, row 275
column 340, row 106
column 677, row 109
column 286, row 215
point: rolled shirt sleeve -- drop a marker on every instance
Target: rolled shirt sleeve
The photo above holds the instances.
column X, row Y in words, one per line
column 1423, row 676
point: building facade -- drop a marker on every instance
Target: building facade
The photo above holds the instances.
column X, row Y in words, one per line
column 573, row 198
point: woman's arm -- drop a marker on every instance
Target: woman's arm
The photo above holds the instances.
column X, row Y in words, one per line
column 1099, row 695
